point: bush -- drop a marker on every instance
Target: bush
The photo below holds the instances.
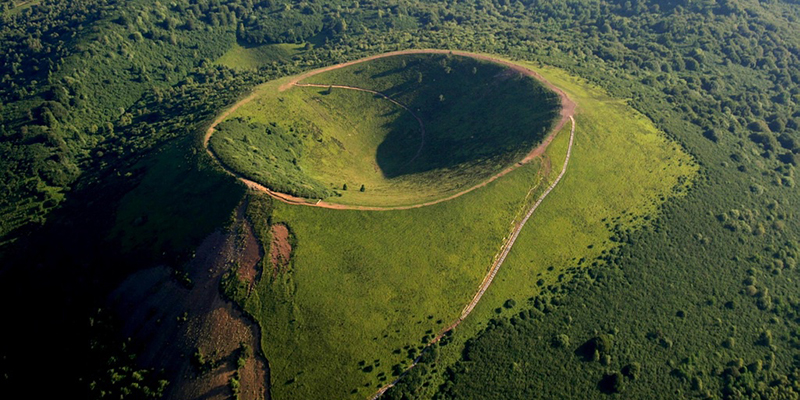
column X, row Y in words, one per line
column 595, row 347
column 560, row 340
column 632, row 370
column 612, row 383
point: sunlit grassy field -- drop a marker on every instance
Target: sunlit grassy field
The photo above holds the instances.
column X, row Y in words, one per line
column 365, row 287
column 477, row 118
column 621, row 170
column 370, row 286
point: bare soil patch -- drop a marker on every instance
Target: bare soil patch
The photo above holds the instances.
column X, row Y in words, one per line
column 173, row 321
column 250, row 253
column 280, row 249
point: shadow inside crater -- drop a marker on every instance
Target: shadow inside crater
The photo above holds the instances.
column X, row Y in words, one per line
column 473, row 113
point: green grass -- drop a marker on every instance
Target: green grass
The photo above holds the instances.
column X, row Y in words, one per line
column 363, row 284
column 273, row 141
column 254, row 57
column 620, row 171
column 312, row 142
column 20, row 6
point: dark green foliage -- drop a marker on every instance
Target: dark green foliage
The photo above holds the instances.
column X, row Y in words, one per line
column 632, row 370
column 595, row 347
column 510, row 303
column 233, row 287
column 560, row 340
column 415, row 383
column 244, row 353
column 235, row 385
column 117, row 373
column 186, row 184
column 199, row 361
column 662, row 350
column 90, row 98
column 612, row 383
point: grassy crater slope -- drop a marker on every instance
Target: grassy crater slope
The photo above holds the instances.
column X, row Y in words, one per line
column 475, row 119
column 365, row 290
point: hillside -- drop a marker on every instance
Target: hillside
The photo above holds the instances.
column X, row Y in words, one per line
column 410, row 128
column 692, row 292
column 350, row 286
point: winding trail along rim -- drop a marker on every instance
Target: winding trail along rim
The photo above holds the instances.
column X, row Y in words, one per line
column 498, row 261
column 567, row 111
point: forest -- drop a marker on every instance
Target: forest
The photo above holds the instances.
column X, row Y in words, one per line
column 100, row 97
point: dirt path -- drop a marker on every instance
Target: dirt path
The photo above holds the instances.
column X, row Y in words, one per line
column 375, row 92
column 499, row 259
column 567, row 111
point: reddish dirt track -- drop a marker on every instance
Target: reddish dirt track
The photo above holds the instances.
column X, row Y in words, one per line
column 567, row 110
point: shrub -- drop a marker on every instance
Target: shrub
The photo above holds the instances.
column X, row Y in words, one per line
column 612, row 383
column 632, row 370
column 560, row 340
column 729, row 343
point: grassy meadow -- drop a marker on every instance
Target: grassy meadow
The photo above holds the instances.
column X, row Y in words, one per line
column 621, row 170
column 329, row 143
column 311, row 143
column 361, row 298
column 240, row 57
column 146, row 216
column 362, row 295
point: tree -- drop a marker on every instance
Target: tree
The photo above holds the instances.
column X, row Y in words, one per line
column 612, row 383
column 344, row 187
column 758, row 126
column 341, row 26
column 632, row 370
column 363, row 188
column 560, row 340
column 595, row 347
